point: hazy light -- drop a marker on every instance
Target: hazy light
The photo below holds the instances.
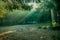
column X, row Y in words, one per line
column 30, row 4
column 33, row 4
column 42, row 0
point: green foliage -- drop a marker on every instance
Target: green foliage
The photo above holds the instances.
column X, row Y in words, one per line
column 19, row 10
column 3, row 11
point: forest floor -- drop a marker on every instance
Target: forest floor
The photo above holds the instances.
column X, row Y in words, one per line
column 28, row 32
